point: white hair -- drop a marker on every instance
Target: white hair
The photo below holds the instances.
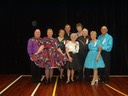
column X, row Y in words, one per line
column 74, row 34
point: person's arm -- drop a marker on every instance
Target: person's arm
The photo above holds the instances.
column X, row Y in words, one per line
column 66, row 41
column 67, row 52
column 29, row 47
column 77, row 46
column 99, row 52
column 109, row 45
column 40, row 49
column 61, row 51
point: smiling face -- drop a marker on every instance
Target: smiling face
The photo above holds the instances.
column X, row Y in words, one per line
column 79, row 28
column 73, row 37
column 85, row 32
column 67, row 28
column 61, row 33
column 50, row 33
column 93, row 35
column 104, row 30
column 37, row 33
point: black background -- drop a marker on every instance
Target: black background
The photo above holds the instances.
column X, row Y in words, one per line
column 16, row 27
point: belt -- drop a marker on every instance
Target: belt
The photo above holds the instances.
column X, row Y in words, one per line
column 73, row 52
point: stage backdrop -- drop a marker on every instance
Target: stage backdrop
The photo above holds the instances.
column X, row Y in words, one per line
column 20, row 18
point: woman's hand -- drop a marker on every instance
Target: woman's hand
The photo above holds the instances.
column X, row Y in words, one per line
column 70, row 59
column 36, row 53
column 31, row 59
column 98, row 55
column 64, row 54
column 97, row 58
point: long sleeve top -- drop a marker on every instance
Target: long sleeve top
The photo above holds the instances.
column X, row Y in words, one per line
column 33, row 45
column 106, row 42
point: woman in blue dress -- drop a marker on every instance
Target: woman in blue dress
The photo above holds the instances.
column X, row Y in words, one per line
column 94, row 59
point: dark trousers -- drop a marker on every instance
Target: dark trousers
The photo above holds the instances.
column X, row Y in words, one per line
column 81, row 56
column 105, row 72
column 36, row 72
column 80, row 72
column 88, row 72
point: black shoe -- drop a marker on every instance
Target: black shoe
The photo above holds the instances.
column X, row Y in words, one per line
column 50, row 81
column 87, row 80
column 35, row 81
column 80, row 79
column 104, row 82
column 46, row 82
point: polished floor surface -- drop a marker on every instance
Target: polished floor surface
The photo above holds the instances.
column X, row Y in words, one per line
column 23, row 85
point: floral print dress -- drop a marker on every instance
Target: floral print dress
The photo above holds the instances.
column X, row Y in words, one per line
column 50, row 57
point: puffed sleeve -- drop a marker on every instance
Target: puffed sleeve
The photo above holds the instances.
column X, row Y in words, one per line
column 67, row 44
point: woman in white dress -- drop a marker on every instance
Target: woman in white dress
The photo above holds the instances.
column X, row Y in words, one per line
column 72, row 48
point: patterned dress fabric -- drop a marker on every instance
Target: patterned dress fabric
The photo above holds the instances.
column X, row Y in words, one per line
column 50, row 57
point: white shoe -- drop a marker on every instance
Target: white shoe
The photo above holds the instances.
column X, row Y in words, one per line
column 96, row 81
column 67, row 81
column 72, row 80
column 93, row 83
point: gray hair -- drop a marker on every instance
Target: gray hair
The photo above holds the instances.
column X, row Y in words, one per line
column 74, row 34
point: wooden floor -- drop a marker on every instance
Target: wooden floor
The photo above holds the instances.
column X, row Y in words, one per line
column 22, row 85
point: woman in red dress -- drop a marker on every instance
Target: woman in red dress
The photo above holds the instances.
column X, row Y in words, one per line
column 49, row 55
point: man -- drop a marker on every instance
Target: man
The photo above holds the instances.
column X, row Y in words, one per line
column 32, row 47
column 106, row 41
column 68, row 32
column 80, row 39
column 67, row 35
column 83, row 43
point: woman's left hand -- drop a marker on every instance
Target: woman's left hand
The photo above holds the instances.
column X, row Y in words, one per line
column 64, row 54
column 97, row 58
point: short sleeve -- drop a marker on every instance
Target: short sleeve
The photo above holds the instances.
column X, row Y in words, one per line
column 99, row 43
column 67, row 45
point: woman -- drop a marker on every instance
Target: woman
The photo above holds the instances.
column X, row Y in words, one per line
column 79, row 28
column 94, row 59
column 61, row 41
column 68, row 32
column 72, row 48
column 48, row 55
column 33, row 45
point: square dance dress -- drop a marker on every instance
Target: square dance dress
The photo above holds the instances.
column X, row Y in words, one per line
column 90, row 61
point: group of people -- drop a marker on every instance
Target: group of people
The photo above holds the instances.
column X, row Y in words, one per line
column 75, row 52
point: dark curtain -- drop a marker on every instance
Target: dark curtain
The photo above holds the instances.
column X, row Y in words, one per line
column 16, row 27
